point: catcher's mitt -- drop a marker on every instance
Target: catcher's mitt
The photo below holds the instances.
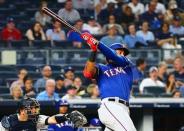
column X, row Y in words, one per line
column 77, row 118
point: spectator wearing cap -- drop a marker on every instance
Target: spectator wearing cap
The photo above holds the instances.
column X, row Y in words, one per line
column 92, row 26
column 46, row 74
column 137, row 7
column 93, row 91
column 152, row 80
column 10, row 32
column 105, row 13
column 40, row 16
column 68, row 13
column 78, row 84
column 49, row 93
column 132, row 40
column 112, row 36
column 162, row 71
column 139, row 70
column 112, row 21
column 56, row 33
column 69, row 76
column 71, row 93
column 96, row 124
column 62, row 107
column 75, row 37
column 176, row 28
column 60, row 88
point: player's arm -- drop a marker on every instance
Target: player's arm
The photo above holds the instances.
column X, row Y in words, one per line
column 90, row 69
column 106, row 51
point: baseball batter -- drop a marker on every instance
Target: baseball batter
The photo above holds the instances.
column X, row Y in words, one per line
column 114, row 80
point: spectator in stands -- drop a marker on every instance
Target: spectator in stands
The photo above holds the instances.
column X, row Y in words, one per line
column 57, row 33
column 71, row 93
column 132, row 40
column 112, row 21
column 28, row 89
column 145, row 33
column 177, row 94
column 92, row 26
column 176, row 28
column 16, row 92
column 49, row 93
column 19, row 82
column 152, row 80
column 83, row 4
column 74, row 36
column 137, row 8
column 42, row 17
column 100, row 5
column 166, row 40
column 160, row 7
column 69, row 76
column 105, row 13
column 68, row 13
column 36, row 32
column 162, row 71
column 139, row 70
column 151, row 16
column 60, row 88
column 78, row 84
column 46, row 73
column 171, row 12
column 112, row 36
column 126, row 16
column 93, row 91
column 179, row 70
column 170, row 84
column 10, row 32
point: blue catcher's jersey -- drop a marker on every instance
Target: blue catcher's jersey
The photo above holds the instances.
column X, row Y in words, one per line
column 66, row 126
column 114, row 81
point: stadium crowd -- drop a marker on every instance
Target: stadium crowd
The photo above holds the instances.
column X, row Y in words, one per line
column 135, row 23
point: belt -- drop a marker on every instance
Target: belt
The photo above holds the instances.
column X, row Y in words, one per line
column 119, row 101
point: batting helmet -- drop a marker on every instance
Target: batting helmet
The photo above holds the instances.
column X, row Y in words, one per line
column 117, row 46
column 28, row 104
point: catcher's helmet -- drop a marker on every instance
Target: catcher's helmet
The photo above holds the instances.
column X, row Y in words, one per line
column 28, row 104
column 117, row 46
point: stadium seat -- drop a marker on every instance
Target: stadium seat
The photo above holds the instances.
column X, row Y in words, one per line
column 4, row 44
column 19, row 44
column 41, row 44
column 165, row 95
column 7, row 68
column 4, row 90
column 154, row 90
column 6, row 96
column 29, row 68
column 135, row 89
column 58, row 58
column 144, row 95
column 62, row 44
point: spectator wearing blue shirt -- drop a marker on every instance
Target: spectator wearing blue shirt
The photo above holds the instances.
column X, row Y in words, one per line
column 176, row 28
column 112, row 36
column 57, row 33
column 74, row 37
column 46, row 73
column 49, row 93
column 132, row 40
column 145, row 33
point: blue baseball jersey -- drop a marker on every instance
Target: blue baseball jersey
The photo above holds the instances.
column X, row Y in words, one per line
column 114, row 81
column 66, row 126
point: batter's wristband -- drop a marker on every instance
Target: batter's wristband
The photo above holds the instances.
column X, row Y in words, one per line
column 60, row 119
column 92, row 56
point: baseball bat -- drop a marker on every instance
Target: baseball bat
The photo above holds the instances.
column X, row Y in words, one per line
column 59, row 19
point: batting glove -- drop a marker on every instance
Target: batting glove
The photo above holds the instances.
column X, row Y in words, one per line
column 91, row 41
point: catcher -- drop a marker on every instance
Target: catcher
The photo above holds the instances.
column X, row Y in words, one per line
column 28, row 118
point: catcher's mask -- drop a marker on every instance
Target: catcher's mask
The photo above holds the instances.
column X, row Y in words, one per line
column 32, row 108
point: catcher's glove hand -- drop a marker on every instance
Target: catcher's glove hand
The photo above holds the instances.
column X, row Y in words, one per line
column 77, row 118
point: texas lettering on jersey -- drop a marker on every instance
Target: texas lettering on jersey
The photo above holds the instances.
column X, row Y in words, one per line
column 114, row 71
